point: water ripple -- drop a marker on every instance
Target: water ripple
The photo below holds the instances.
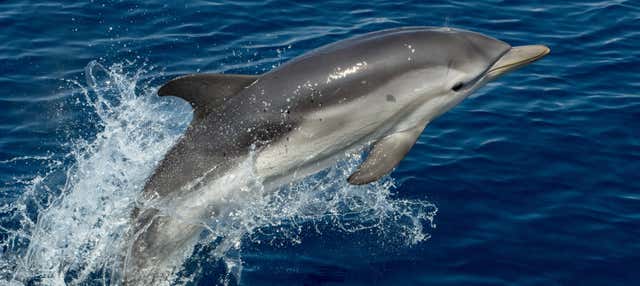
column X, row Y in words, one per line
column 534, row 177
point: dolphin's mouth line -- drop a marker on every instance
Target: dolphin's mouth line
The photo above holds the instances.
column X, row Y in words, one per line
column 517, row 57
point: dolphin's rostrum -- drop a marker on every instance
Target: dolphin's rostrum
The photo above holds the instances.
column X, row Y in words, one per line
column 379, row 89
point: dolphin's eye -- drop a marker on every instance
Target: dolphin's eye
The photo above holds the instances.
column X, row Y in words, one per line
column 457, row 86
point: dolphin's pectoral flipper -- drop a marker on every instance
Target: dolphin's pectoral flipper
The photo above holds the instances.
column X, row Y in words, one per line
column 206, row 91
column 385, row 155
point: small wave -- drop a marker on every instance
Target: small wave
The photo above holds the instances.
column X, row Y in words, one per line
column 25, row 158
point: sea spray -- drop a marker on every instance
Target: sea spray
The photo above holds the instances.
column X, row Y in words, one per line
column 76, row 233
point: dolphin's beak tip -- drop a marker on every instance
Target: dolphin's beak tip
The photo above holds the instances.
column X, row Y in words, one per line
column 545, row 50
column 538, row 52
column 527, row 54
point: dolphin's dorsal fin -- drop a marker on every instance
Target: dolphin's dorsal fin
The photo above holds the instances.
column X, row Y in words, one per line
column 385, row 155
column 205, row 92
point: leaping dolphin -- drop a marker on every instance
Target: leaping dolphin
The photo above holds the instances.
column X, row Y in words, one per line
column 379, row 89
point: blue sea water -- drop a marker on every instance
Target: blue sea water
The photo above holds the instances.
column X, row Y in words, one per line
column 533, row 180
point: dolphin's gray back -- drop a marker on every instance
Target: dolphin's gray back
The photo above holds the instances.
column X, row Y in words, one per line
column 307, row 83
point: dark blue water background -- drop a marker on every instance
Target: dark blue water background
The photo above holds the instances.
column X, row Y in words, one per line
column 535, row 177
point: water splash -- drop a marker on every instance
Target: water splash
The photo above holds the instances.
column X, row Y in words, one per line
column 71, row 233
column 77, row 228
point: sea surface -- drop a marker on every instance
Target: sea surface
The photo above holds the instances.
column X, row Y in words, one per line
column 533, row 180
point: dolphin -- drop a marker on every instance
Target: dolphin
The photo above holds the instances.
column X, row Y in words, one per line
column 378, row 90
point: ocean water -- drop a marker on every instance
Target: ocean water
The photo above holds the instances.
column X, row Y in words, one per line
column 533, row 180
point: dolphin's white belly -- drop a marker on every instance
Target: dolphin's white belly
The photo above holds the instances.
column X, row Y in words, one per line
column 328, row 135
column 323, row 138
